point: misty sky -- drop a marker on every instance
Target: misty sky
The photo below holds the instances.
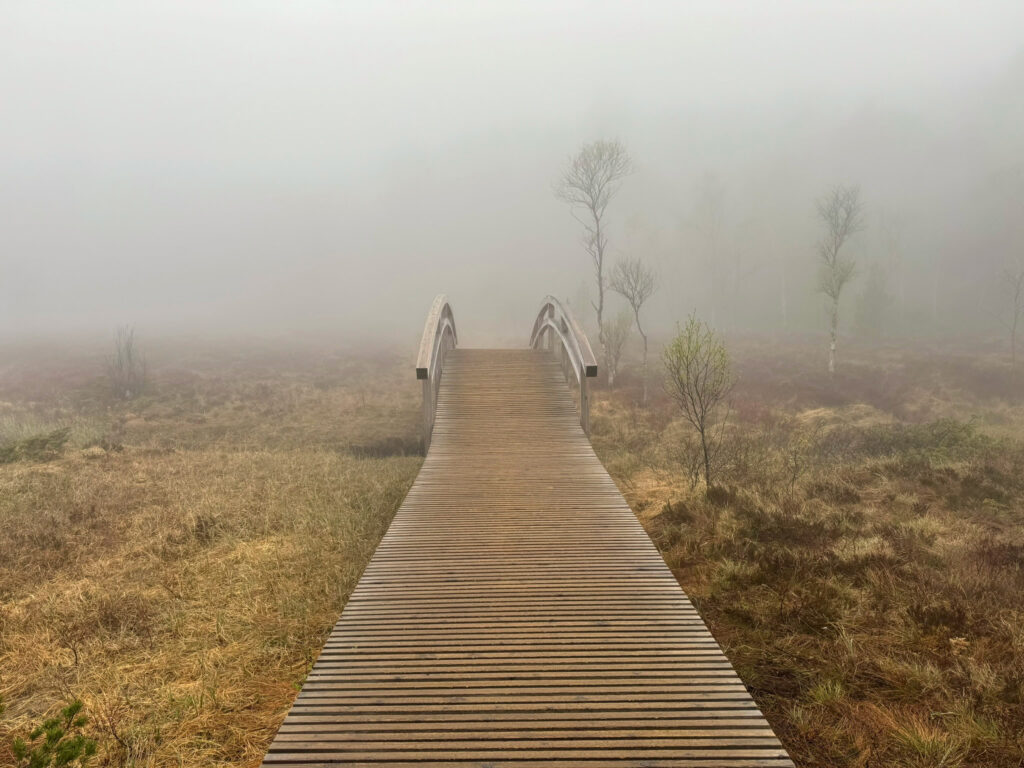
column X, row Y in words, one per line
column 331, row 165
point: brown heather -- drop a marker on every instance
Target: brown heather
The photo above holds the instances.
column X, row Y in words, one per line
column 176, row 561
column 862, row 562
column 179, row 567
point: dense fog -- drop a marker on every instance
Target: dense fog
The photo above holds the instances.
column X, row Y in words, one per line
column 330, row 166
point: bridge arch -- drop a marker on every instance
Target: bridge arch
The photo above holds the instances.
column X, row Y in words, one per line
column 439, row 336
column 557, row 330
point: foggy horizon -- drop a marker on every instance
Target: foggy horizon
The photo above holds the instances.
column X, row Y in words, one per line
column 263, row 168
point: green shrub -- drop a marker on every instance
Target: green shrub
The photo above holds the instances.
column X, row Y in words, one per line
column 58, row 743
column 942, row 439
column 45, row 446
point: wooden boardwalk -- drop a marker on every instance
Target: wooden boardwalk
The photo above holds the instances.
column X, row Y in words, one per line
column 516, row 613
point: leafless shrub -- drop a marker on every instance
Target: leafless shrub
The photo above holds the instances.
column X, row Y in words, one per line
column 800, row 453
column 126, row 368
column 770, row 456
column 686, row 451
column 616, row 333
column 636, row 282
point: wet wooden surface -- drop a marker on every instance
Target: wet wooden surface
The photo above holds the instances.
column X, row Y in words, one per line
column 516, row 613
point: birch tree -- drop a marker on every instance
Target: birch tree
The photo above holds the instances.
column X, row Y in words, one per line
column 616, row 333
column 842, row 215
column 699, row 377
column 636, row 283
column 588, row 184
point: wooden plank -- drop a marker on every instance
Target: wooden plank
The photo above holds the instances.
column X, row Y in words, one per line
column 516, row 613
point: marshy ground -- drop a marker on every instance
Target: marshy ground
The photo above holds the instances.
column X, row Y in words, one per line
column 177, row 560
column 861, row 559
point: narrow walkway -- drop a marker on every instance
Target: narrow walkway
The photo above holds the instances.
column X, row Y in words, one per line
column 516, row 613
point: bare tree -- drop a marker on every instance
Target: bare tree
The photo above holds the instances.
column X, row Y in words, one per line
column 588, row 184
column 1013, row 281
column 842, row 213
column 699, row 378
column 636, row 282
column 616, row 333
column 126, row 368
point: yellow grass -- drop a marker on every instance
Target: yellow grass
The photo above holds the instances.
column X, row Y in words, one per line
column 873, row 599
column 182, row 581
column 177, row 561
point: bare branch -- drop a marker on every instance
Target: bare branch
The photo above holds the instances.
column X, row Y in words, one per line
column 588, row 184
column 843, row 215
column 126, row 367
column 636, row 282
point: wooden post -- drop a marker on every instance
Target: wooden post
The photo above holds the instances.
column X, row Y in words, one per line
column 428, row 412
column 584, row 402
column 563, row 359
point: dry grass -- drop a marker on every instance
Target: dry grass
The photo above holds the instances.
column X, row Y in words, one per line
column 177, row 561
column 177, row 566
column 862, row 563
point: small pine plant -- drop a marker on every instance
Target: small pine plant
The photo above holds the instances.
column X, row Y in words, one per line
column 58, row 743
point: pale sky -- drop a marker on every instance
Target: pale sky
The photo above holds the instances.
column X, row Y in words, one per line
column 334, row 164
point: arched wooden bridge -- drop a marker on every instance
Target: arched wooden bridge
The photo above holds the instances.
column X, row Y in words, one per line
column 516, row 613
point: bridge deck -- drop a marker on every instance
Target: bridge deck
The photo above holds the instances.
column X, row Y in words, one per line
column 516, row 613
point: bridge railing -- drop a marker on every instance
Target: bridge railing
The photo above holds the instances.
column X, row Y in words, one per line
column 556, row 329
column 439, row 336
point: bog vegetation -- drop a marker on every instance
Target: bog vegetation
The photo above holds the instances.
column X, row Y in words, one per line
column 177, row 560
column 860, row 551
